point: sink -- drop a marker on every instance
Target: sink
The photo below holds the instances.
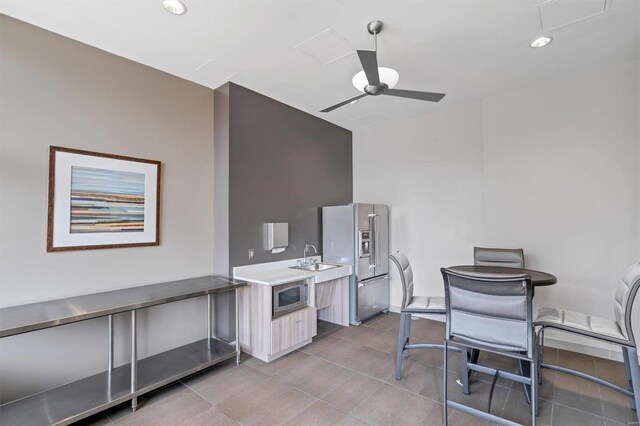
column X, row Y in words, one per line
column 316, row 267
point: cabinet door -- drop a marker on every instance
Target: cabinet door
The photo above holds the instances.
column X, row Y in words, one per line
column 292, row 329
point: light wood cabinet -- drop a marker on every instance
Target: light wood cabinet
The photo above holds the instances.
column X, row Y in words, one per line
column 292, row 329
column 266, row 338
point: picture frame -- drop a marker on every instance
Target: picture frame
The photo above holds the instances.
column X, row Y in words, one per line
column 100, row 201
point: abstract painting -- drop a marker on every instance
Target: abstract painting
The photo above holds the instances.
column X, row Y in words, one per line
column 106, row 200
column 99, row 200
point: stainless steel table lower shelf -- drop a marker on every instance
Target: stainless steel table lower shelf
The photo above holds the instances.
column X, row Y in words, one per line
column 82, row 398
column 77, row 400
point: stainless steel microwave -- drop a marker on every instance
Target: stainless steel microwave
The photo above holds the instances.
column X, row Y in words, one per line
column 289, row 297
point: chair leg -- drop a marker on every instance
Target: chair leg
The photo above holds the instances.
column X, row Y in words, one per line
column 407, row 334
column 627, row 372
column 534, row 389
column 464, row 363
column 634, row 370
column 444, row 395
column 540, row 354
column 401, row 341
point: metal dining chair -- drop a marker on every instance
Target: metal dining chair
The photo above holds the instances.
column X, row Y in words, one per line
column 412, row 304
column 487, row 256
column 490, row 312
column 616, row 331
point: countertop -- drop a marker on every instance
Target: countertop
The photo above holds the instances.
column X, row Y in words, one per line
column 285, row 274
column 36, row 316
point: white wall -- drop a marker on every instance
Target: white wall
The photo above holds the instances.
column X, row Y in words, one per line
column 552, row 169
column 561, row 180
column 429, row 171
column 56, row 91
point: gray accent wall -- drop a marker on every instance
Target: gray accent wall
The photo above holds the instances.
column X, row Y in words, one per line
column 273, row 163
column 56, row 91
column 284, row 165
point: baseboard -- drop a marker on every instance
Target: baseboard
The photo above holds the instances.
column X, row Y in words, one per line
column 609, row 352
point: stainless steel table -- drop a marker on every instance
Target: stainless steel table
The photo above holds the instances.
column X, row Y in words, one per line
column 85, row 397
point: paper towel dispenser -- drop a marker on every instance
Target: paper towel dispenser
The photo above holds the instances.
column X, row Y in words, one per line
column 276, row 236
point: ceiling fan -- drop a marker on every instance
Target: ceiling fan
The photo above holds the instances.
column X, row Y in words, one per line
column 376, row 81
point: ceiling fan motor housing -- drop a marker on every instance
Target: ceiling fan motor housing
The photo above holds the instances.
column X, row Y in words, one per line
column 376, row 90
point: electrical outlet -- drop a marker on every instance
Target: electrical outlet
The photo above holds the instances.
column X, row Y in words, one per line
column 250, row 253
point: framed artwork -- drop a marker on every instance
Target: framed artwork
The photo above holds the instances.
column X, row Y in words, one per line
column 101, row 201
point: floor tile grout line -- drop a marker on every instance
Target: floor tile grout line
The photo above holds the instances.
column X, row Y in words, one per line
column 600, row 399
column 280, row 393
column 595, row 370
column 374, row 378
column 392, row 383
column 600, row 389
column 419, row 362
column 389, row 381
column 553, row 402
column 584, row 412
column 384, row 382
column 197, row 393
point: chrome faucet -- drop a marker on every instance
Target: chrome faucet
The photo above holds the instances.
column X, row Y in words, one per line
column 304, row 254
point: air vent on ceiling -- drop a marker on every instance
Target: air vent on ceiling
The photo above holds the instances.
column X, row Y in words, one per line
column 215, row 72
column 326, row 47
column 556, row 14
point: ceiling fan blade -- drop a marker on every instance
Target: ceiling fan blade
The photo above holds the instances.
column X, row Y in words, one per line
column 414, row 94
column 336, row 106
column 369, row 61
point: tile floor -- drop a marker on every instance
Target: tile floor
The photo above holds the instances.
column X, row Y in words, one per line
column 345, row 377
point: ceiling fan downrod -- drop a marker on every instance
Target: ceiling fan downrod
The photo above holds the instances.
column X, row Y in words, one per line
column 374, row 27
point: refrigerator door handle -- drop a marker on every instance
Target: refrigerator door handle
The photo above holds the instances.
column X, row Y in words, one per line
column 372, row 239
column 372, row 280
column 375, row 237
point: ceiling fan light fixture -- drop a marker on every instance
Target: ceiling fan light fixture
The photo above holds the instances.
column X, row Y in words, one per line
column 388, row 76
column 383, row 80
column 541, row 41
column 174, row 6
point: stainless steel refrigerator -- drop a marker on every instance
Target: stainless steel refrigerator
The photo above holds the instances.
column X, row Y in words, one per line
column 358, row 234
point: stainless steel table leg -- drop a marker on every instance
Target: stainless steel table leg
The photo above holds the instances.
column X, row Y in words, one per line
column 134, row 360
column 110, row 344
column 110, row 352
column 209, row 315
column 237, row 329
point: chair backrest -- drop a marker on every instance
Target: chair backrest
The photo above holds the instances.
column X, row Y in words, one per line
column 491, row 310
column 625, row 295
column 406, row 276
column 487, row 256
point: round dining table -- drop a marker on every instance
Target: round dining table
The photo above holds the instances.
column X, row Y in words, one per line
column 538, row 279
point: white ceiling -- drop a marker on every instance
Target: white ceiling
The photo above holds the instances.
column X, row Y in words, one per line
column 469, row 49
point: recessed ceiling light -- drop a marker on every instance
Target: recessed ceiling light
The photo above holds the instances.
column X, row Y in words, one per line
column 541, row 41
column 175, row 6
column 355, row 101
